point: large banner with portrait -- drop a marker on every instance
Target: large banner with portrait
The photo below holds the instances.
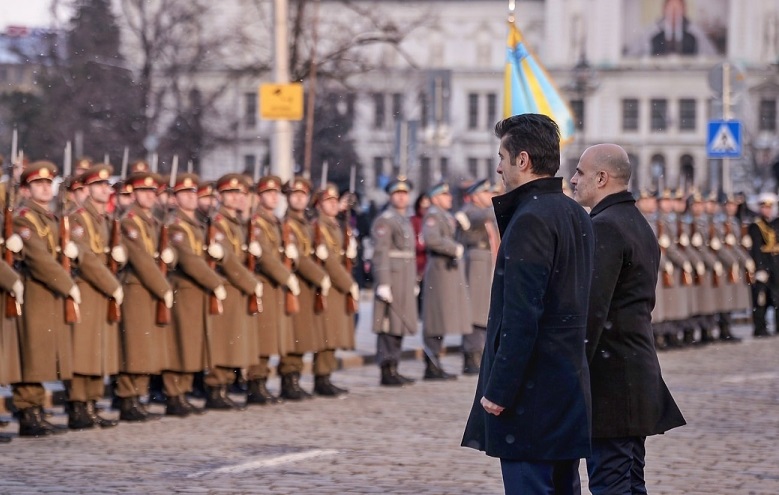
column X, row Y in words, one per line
column 659, row 28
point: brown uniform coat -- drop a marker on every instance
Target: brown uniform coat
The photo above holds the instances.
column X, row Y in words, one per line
column 45, row 339
column 143, row 341
column 479, row 265
column 10, row 367
column 95, row 341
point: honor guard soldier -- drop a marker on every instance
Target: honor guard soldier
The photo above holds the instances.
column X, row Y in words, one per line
column 711, row 288
column 684, row 232
column 736, row 237
column 196, row 286
column 336, row 319
column 206, row 201
column 12, row 297
column 234, row 342
column 314, row 287
column 765, row 252
column 446, row 309
column 123, row 196
column 95, row 338
column 45, row 336
column 280, row 291
column 145, row 288
column 394, row 273
column 477, row 232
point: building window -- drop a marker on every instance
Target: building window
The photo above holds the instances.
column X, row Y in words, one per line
column 473, row 167
column 250, row 107
column 577, row 107
column 659, row 115
column 492, row 110
column 378, row 170
column 380, row 110
column 687, row 114
column 397, row 106
column 423, row 114
column 473, row 110
column 630, row 114
column 767, row 115
column 687, row 171
column 444, row 168
column 249, row 163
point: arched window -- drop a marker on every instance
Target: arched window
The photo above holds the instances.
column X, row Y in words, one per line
column 657, row 171
column 687, row 171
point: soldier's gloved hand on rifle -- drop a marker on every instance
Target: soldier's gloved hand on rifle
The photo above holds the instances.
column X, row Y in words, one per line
column 384, row 293
column 75, row 294
column 669, row 268
column 220, row 293
column 255, row 249
column 321, row 252
column 258, row 290
column 325, row 285
column 119, row 254
column 463, row 220
column 417, row 290
column 18, row 291
column 168, row 299
column 762, row 276
column 118, row 296
column 351, row 249
column 14, row 243
column 718, row 269
column 291, row 252
column 167, row 256
column 459, row 253
column 749, row 265
column 294, row 285
column 216, row 251
column 71, row 250
column 687, row 267
column 354, row 291
column 700, row 268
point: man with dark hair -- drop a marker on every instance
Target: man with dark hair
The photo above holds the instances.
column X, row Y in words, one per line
column 630, row 401
column 532, row 404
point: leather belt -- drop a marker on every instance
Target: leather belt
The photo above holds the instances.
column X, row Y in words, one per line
column 396, row 253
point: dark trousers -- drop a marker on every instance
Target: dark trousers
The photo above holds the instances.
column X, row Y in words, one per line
column 541, row 478
column 434, row 346
column 474, row 341
column 388, row 348
column 616, row 466
column 762, row 298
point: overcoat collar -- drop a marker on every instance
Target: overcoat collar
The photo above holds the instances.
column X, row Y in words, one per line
column 507, row 204
column 612, row 199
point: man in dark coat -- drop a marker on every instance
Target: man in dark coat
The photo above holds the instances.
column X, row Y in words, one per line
column 532, row 404
column 630, row 401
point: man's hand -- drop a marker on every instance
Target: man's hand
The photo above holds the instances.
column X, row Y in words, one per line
column 255, row 249
column 325, row 285
column 119, row 254
column 384, row 293
column 216, row 251
column 220, row 293
column 491, row 407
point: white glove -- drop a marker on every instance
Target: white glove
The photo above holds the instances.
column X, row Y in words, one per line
column 354, row 291
column 216, row 251
column 417, row 290
column 669, row 268
column 168, row 298
column 167, row 256
column 325, row 286
column 258, row 290
column 291, row 252
column 75, row 294
column 761, row 276
column 255, row 249
column 119, row 254
column 18, row 291
column 718, row 269
column 715, row 244
column 749, row 265
column 220, row 293
column 321, row 252
column 687, row 267
column 700, row 268
column 384, row 293
column 118, row 296
column 14, row 243
column 351, row 249
column 71, row 250
column 462, row 219
column 294, row 285
column 459, row 252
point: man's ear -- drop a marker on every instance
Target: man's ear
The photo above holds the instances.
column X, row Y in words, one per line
column 523, row 161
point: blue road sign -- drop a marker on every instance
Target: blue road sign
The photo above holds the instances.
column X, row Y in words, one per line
column 724, row 139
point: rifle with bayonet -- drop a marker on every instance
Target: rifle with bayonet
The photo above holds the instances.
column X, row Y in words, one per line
column 163, row 312
column 114, row 310
column 71, row 308
column 12, row 306
column 351, row 303
column 255, row 304
column 320, row 303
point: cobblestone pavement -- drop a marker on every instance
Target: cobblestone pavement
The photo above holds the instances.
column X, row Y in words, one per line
column 406, row 441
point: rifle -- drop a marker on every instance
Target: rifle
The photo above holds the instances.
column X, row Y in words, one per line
column 12, row 306
column 667, row 280
column 750, row 276
column 163, row 312
column 715, row 281
column 320, row 304
column 215, row 306
column 255, row 305
column 680, row 229
column 291, row 304
column 114, row 310
column 71, row 308
column 351, row 304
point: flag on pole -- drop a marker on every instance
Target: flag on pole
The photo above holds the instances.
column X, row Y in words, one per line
column 529, row 89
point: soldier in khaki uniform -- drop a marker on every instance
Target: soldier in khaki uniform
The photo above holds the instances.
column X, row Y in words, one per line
column 274, row 271
column 143, row 340
column 394, row 271
column 712, row 284
column 46, row 347
column 336, row 320
column 123, row 196
column 95, row 340
column 313, row 280
column 446, row 309
column 234, row 339
column 10, row 286
column 194, row 283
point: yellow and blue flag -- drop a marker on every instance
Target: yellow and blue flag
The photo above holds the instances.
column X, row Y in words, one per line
column 529, row 89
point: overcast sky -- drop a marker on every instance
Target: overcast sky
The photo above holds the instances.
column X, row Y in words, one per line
column 30, row 13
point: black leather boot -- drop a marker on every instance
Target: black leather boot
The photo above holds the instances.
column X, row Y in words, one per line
column 471, row 363
column 31, row 424
column 406, row 380
column 131, row 410
column 323, row 387
column 216, row 398
column 290, row 387
column 78, row 419
column 198, row 411
column 56, row 429
column 389, row 376
column 259, row 394
column 98, row 419
column 174, row 406
column 433, row 372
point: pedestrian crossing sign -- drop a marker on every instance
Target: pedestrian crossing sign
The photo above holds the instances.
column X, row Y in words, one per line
column 724, row 139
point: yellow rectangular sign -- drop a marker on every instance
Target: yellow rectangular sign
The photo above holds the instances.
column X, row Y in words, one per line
column 281, row 101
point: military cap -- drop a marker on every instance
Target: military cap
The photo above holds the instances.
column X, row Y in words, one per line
column 73, row 183
column 269, row 183
column 40, row 170
column 122, row 187
column 766, row 198
column 232, row 182
column 206, row 190
column 646, row 194
column 186, row 182
column 401, row 183
column 478, row 186
column 329, row 192
column 96, row 173
column 144, row 180
column 440, row 188
column 164, row 184
column 82, row 165
column 139, row 166
column 297, row 184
